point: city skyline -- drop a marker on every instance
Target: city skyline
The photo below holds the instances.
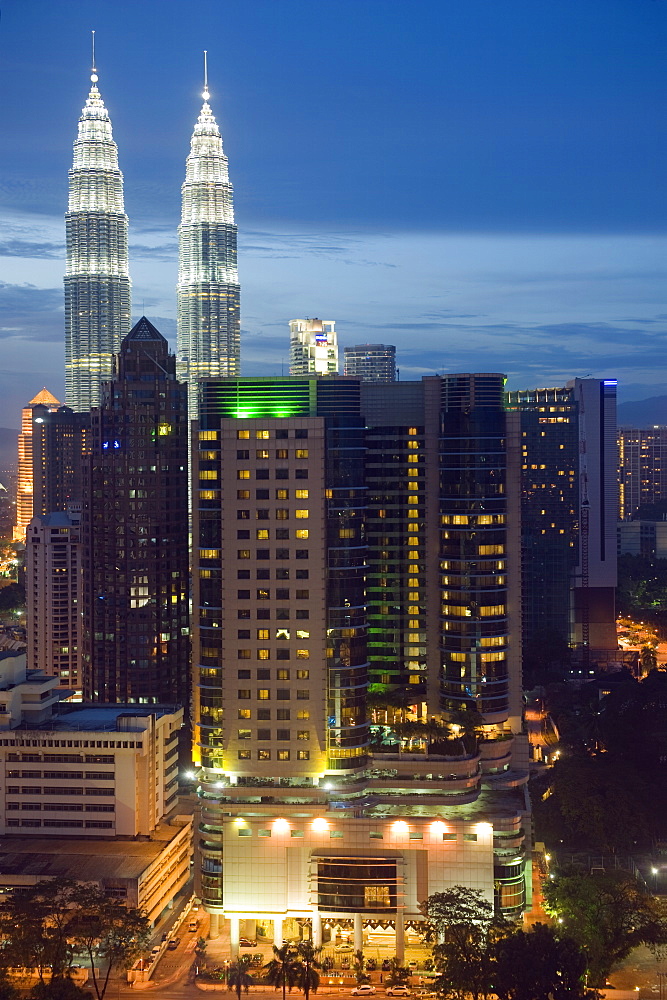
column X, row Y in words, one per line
column 526, row 231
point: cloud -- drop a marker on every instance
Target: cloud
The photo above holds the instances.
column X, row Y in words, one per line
column 31, row 313
column 27, row 248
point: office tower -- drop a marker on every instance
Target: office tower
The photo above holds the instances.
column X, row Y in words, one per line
column 25, row 481
column 642, row 468
column 52, row 565
column 135, row 531
column 569, row 504
column 101, row 800
column 313, row 347
column 303, row 487
column 97, row 283
column 371, row 362
column 59, row 448
column 209, row 321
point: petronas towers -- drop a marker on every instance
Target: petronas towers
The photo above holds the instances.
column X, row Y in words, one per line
column 97, row 282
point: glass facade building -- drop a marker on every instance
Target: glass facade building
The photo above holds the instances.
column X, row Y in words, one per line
column 97, row 282
column 371, row 362
column 209, row 322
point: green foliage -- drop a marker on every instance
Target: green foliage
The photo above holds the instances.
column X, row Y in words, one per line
column 359, row 968
column 461, row 919
column 58, row 989
column 308, row 967
column 12, row 597
column 238, row 975
column 612, row 750
column 608, row 913
column 398, row 975
column 48, row 924
column 642, row 589
column 281, row 971
column 538, row 965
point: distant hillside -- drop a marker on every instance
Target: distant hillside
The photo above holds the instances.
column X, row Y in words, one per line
column 8, row 447
column 643, row 412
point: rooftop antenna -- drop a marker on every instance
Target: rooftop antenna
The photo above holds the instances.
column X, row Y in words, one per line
column 206, row 94
column 93, row 76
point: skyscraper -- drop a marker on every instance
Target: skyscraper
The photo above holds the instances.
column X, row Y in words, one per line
column 324, row 506
column 209, row 323
column 26, row 485
column 53, row 561
column 313, row 348
column 642, row 468
column 134, row 594
column 569, row 513
column 97, row 283
column 371, row 362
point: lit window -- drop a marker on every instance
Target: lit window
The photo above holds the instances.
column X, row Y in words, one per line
column 262, row 633
column 208, row 435
column 346, row 532
column 243, row 494
column 282, row 755
column 262, row 453
column 263, row 654
column 303, row 734
column 303, row 675
column 263, row 755
column 301, row 494
column 262, row 435
column 301, row 533
column 243, row 474
column 262, row 534
column 244, row 734
column 243, row 554
column 263, row 694
column 303, row 755
column 303, row 713
column 282, row 494
column 301, row 453
column 302, row 514
column 244, row 713
column 208, row 474
column 302, row 654
column 244, row 754
column 242, row 435
column 282, row 514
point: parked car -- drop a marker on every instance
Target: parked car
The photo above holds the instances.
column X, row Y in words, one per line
column 155, row 951
column 193, row 925
column 344, row 946
column 397, row 991
column 365, row 989
column 413, row 964
column 386, row 965
column 173, row 944
column 371, row 965
column 345, row 963
column 245, row 942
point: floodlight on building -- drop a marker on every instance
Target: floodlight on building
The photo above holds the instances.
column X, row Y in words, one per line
column 320, row 825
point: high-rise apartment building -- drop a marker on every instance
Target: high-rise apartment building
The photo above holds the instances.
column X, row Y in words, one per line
column 303, row 489
column 371, row 362
column 135, row 582
column 642, row 468
column 52, row 567
column 97, row 282
column 313, row 347
column 569, row 507
column 209, row 322
column 25, row 479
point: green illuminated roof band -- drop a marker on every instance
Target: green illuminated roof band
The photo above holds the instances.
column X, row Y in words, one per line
column 259, row 398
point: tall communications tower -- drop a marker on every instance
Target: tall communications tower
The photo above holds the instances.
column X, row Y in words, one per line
column 97, row 282
column 209, row 332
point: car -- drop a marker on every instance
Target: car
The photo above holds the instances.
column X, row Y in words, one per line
column 245, row 942
column 344, row 946
column 397, row 991
column 155, row 951
column 173, row 944
column 413, row 964
column 193, row 925
column 386, row 965
column 363, row 990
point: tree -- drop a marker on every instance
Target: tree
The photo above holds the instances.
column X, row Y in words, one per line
column 109, row 934
column 398, row 974
column 649, row 658
column 47, row 924
column 36, row 925
column 538, row 965
column 281, row 970
column 308, row 967
column 462, row 921
column 359, row 968
column 609, row 913
column 238, row 977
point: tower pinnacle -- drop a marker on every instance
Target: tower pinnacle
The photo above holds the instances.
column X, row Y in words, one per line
column 206, row 94
column 93, row 70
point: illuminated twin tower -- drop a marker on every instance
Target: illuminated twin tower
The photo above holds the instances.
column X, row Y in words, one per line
column 97, row 282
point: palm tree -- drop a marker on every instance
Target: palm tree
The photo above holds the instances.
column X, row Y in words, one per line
column 307, row 967
column 399, row 974
column 238, row 977
column 282, row 969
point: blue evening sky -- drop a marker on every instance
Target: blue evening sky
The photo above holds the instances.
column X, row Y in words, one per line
column 480, row 182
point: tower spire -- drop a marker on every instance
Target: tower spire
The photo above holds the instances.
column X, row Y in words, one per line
column 93, row 72
column 206, row 94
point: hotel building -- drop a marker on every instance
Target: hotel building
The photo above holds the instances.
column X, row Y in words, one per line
column 355, row 551
column 313, row 347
